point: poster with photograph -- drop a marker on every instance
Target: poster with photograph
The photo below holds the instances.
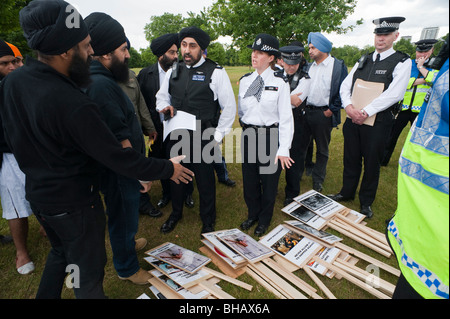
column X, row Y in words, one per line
column 180, row 257
column 181, row 277
column 223, row 249
column 186, row 294
column 291, row 245
column 321, row 235
column 319, row 204
column 327, row 254
column 304, row 215
column 244, row 244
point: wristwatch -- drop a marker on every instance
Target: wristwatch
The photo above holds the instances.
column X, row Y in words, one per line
column 364, row 113
column 420, row 67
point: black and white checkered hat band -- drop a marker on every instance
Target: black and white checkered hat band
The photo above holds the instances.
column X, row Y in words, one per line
column 268, row 48
column 385, row 24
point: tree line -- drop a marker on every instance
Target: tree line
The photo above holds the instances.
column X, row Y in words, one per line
column 239, row 20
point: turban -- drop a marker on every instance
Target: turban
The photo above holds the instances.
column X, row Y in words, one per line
column 15, row 50
column 106, row 33
column 162, row 44
column 318, row 40
column 198, row 34
column 5, row 49
column 52, row 26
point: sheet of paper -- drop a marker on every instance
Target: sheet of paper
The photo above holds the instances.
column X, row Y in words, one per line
column 181, row 120
column 363, row 94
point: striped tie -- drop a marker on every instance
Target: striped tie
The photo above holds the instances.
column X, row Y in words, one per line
column 256, row 88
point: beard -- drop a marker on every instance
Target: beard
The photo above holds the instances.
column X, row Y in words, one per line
column 166, row 63
column 194, row 59
column 79, row 70
column 119, row 70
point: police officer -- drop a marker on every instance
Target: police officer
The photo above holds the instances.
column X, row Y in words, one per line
column 265, row 113
column 362, row 141
column 202, row 88
column 422, row 78
column 299, row 83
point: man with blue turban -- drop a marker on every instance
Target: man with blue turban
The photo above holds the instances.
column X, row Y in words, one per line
column 322, row 111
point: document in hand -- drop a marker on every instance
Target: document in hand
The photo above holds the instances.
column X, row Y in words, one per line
column 363, row 94
column 182, row 120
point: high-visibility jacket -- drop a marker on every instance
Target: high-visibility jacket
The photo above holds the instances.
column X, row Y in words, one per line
column 415, row 95
column 419, row 230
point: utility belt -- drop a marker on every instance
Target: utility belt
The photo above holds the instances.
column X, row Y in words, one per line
column 246, row 126
column 313, row 107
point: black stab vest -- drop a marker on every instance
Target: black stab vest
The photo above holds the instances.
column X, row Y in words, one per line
column 191, row 93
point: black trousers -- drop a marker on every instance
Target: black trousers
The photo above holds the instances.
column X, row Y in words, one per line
column 316, row 127
column 400, row 122
column 77, row 238
column 259, row 173
column 364, row 144
column 294, row 174
column 203, row 168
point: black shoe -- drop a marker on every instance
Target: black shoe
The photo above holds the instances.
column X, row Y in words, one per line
column 228, row 182
column 260, row 230
column 339, row 197
column 248, row 223
column 169, row 225
column 189, row 201
column 155, row 213
column 207, row 228
column 317, row 186
column 163, row 202
column 366, row 210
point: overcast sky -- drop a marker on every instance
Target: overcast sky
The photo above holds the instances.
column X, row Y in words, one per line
column 135, row 14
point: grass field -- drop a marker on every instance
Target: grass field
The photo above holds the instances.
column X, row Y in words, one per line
column 231, row 211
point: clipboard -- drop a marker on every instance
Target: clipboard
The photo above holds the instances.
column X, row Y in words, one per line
column 363, row 94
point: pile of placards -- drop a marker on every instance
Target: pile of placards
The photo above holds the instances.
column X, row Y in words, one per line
column 182, row 274
column 303, row 244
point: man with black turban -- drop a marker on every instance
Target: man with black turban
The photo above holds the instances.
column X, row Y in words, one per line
column 200, row 87
column 59, row 138
column 121, row 193
column 165, row 48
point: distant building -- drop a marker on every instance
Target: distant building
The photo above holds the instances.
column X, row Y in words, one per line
column 407, row 37
column 429, row 33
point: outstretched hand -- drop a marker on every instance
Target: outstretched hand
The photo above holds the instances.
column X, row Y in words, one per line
column 180, row 173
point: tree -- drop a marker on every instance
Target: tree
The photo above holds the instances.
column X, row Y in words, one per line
column 287, row 20
column 160, row 25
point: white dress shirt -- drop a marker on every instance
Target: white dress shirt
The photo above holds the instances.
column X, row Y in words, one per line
column 321, row 75
column 223, row 92
column 393, row 94
column 273, row 107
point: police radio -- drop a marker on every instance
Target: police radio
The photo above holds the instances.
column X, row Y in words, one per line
column 175, row 70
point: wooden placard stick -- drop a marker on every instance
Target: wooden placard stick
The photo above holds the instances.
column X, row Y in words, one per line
column 296, row 281
column 369, row 259
column 229, row 279
column 363, row 235
column 344, row 232
column 361, row 274
column 212, row 288
column 319, row 282
column 277, row 281
column 352, row 279
column 367, row 230
column 253, row 273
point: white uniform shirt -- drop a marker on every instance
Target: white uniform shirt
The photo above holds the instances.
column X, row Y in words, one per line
column 321, row 75
column 223, row 92
column 394, row 93
column 273, row 107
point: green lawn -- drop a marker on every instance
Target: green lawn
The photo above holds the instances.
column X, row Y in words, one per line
column 231, row 211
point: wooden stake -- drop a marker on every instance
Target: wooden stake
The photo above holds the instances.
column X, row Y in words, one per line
column 369, row 259
column 250, row 270
column 229, row 279
column 212, row 288
column 367, row 230
column 352, row 279
column 319, row 283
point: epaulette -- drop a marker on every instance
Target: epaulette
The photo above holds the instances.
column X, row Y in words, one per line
column 405, row 56
column 245, row 75
column 280, row 74
column 217, row 64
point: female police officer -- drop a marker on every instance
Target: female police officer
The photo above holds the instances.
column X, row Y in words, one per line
column 264, row 110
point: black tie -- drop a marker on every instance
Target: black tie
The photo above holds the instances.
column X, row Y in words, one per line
column 256, row 88
column 378, row 58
